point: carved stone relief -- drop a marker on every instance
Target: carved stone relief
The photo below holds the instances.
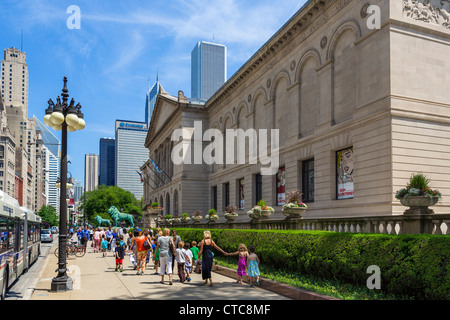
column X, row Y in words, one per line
column 431, row 11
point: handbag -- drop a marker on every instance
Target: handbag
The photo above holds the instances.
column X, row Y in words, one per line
column 198, row 267
column 147, row 245
column 172, row 247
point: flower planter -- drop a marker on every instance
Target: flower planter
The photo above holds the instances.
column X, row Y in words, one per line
column 419, row 204
column 230, row 217
column 294, row 212
column 197, row 218
column 265, row 213
column 154, row 211
column 212, row 219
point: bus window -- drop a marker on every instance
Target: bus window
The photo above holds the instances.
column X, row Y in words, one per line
column 11, row 235
column 3, row 234
column 21, row 235
column 30, row 233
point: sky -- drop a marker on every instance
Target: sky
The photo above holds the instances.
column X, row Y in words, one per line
column 119, row 49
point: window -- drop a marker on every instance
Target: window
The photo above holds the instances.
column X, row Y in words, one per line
column 226, row 195
column 281, row 186
column 241, row 204
column 12, row 234
column 344, row 174
column 258, row 187
column 3, row 234
column 214, row 197
column 308, row 180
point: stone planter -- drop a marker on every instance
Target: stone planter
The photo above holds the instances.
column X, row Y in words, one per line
column 265, row 213
column 293, row 213
column 419, row 204
column 212, row 219
column 197, row 219
column 229, row 217
column 154, row 211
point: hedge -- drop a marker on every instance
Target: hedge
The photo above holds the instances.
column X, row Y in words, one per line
column 412, row 265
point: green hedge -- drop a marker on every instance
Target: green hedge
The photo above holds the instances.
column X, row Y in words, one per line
column 413, row 265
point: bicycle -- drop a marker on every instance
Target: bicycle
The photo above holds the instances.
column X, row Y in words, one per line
column 72, row 248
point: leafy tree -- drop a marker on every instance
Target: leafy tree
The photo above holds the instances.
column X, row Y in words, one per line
column 48, row 214
column 97, row 202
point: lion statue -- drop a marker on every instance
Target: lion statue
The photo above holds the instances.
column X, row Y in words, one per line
column 117, row 216
column 101, row 221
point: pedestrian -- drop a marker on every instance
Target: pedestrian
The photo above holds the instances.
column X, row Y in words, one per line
column 114, row 237
column 176, row 239
column 96, row 240
column 188, row 264
column 141, row 251
column 80, row 233
column 120, row 253
column 155, row 255
column 104, row 245
column 85, row 237
column 108, row 234
column 205, row 252
column 180, row 258
column 194, row 249
column 91, row 233
column 165, row 256
column 253, row 266
column 242, row 264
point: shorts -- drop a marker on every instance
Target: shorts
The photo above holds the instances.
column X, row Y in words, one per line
column 119, row 261
column 188, row 268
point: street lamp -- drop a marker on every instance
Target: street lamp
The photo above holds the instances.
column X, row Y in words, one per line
column 64, row 117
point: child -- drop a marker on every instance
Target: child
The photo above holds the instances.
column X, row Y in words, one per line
column 155, row 255
column 104, row 245
column 188, row 264
column 242, row 264
column 120, row 253
column 194, row 251
column 180, row 257
column 253, row 266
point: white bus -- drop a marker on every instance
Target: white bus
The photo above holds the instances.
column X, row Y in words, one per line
column 20, row 239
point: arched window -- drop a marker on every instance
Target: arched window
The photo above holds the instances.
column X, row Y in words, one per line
column 175, row 204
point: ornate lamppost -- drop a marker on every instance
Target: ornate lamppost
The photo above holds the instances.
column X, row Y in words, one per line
column 64, row 117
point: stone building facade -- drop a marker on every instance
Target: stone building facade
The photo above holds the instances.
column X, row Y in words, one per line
column 358, row 110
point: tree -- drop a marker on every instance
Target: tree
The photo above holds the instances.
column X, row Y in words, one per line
column 48, row 214
column 97, row 202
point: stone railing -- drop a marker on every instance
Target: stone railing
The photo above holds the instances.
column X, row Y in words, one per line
column 393, row 224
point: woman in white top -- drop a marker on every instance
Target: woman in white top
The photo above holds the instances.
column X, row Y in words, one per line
column 165, row 255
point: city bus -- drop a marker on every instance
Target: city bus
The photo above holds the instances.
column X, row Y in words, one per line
column 20, row 239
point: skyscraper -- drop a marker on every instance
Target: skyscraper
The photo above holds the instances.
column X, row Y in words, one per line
column 50, row 165
column 15, row 79
column 151, row 100
column 107, row 161
column 90, row 172
column 131, row 154
column 208, row 69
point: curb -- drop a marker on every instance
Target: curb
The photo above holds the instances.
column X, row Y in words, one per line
column 279, row 288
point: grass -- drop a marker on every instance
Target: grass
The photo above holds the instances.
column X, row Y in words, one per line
column 327, row 287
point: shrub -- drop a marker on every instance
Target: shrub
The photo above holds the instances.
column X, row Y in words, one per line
column 413, row 265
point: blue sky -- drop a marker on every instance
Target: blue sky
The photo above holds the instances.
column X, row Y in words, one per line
column 121, row 46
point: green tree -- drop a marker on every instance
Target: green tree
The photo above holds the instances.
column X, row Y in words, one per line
column 97, row 202
column 49, row 215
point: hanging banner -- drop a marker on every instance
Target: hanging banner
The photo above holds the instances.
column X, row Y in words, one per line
column 344, row 171
column 281, row 186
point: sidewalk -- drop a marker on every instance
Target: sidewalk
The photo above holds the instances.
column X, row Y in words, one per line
column 94, row 278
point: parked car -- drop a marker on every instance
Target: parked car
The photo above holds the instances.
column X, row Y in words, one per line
column 54, row 229
column 46, row 235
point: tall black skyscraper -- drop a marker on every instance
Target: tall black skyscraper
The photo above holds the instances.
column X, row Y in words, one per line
column 107, row 162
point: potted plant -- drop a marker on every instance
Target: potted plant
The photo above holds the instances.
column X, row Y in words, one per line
column 154, row 208
column 230, row 213
column 177, row 220
column 185, row 217
column 169, row 218
column 418, row 195
column 197, row 216
column 294, row 207
column 212, row 215
column 265, row 209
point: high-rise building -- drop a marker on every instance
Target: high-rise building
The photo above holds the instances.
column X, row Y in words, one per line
column 49, row 139
column 90, row 172
column 107, row 161
column 131, row 154
column 7, row 155
column 15, row 79
column 151, row 100
column 50, row 164
column 208, row 69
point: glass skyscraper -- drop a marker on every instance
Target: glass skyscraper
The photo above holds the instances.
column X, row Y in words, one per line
column 208, row 69
column 151, row 100
column 131, row 154
column 107, row 161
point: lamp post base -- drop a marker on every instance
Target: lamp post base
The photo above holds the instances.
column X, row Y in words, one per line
column 63, row 283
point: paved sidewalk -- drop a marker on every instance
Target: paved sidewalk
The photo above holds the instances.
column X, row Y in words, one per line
column 94, row 278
